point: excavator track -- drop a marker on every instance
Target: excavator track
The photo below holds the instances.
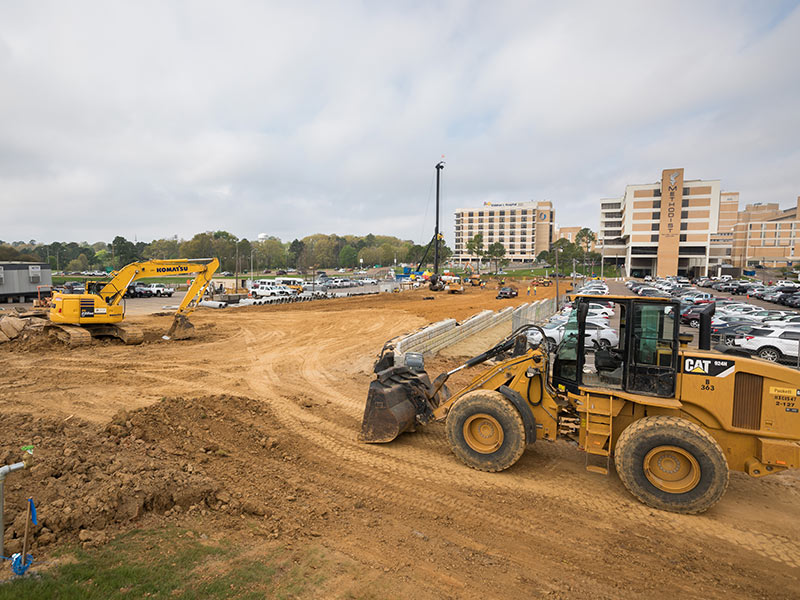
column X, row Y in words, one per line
column 129, row 334
column 73, row 335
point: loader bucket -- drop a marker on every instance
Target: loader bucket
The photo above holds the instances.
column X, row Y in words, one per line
column 397, row 400
column 181, row 329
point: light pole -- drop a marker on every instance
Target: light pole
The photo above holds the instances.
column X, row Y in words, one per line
column 439, row 168
column 602, row 257
column 252, row 251
column 557, row 251
column 573, row 272
column 236, row 270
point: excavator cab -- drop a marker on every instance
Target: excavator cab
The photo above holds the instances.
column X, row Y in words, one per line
column 619, row 343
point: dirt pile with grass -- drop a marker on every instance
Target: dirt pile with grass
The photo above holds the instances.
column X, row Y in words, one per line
column 90, row 481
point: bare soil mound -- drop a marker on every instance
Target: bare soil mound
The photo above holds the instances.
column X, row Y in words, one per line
column 89, row 481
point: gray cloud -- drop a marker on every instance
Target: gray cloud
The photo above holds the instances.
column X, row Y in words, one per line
column 150, row 119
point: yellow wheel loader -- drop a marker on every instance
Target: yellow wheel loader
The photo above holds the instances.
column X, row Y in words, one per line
column 75, row 318
column 674, row 419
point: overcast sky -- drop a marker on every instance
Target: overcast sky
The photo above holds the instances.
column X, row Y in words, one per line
column 153, row 119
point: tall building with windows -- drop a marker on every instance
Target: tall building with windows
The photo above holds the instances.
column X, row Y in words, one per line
column 524, row 228
column 665, row 228
column 766, row 235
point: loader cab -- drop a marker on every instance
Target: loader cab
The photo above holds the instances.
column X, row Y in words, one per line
column 633, row 347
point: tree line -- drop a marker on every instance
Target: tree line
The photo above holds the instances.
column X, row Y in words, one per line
column 567, row 251
column 318, row 251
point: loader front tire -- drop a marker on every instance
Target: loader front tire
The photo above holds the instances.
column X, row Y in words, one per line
column 486, row 431
column 671, row 464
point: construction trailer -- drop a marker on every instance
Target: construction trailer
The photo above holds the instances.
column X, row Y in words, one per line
column 24, row 281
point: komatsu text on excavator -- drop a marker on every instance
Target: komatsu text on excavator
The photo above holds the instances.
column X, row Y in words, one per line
column 675, row 419
column 75, row 318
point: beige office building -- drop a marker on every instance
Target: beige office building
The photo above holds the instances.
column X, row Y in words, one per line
column 664, row 228
column 766, row 235
column 524, row 228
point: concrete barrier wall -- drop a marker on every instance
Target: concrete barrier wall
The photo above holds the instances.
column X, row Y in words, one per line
column 433, row 338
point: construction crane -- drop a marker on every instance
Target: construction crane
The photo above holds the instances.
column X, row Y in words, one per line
column 675, row 419
column 75, row 318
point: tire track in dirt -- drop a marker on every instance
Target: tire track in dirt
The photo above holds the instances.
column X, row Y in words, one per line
column 428, row 472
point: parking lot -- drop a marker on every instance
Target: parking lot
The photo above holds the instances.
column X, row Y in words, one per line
column 784, row 349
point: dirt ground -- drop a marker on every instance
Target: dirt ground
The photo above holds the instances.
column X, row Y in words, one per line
column 249, row 431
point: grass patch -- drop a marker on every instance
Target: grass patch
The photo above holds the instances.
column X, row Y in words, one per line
column 170, row 563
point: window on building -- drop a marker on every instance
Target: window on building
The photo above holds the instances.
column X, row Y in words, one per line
column 657, row 193
column 656, row 216
column 682, row 237
column 686, row 192
column 654, row 238
column 657, row 204
column 502, row 212
column 684, row 203
column 654, row 227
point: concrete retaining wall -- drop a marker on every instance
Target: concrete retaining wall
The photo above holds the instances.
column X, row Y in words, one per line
column 435, row 337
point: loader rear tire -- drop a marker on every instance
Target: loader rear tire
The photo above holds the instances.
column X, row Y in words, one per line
column 671, row 464
column 486, row 431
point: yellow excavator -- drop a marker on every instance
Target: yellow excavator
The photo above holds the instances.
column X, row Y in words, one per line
column 75, row 318
column 675, row 419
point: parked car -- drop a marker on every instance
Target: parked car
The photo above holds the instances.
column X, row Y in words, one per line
column 139, row 290
column 263, row 290
column 698, row 297
column 771, row 344
column 74, row 287
column 767, row 315
column 507, row 292
column 728, row 333
column 692, row 317
column 159, row 289
column 598, row 335
column 737, row 309
column 792, row 319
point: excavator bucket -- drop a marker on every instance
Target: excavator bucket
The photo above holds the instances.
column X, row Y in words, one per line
column 181, row 329
column 399, row 397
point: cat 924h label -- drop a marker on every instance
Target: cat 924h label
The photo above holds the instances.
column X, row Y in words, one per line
column 709, row 367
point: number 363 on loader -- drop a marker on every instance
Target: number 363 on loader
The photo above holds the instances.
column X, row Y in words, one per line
column 674, row 419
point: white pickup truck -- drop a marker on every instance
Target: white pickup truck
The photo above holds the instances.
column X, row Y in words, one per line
column 262, row 289
column 159, row 289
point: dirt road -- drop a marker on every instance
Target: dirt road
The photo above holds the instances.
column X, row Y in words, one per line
column 278, row 392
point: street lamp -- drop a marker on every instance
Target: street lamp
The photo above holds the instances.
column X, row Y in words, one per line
column 252, row 251
column 557, row 252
